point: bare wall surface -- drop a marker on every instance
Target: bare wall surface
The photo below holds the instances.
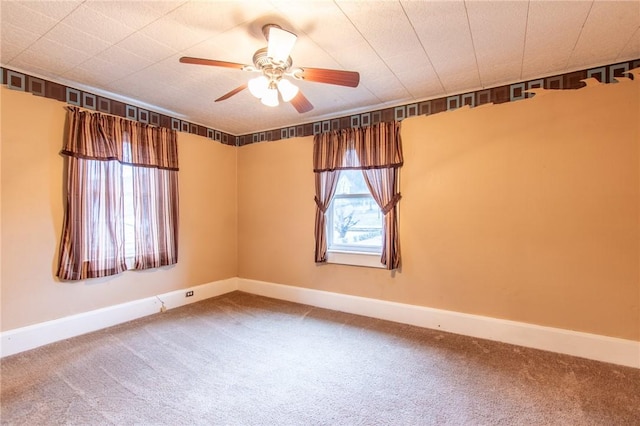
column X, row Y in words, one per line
column 527, row 211
column 32, row 214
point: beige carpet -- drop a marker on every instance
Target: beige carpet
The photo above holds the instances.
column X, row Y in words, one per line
column 241, row 359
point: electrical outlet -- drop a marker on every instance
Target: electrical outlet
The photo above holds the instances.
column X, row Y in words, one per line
column 189, row 293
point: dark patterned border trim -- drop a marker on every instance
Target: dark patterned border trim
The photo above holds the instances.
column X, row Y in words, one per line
column 496, row 95
column 26, row 83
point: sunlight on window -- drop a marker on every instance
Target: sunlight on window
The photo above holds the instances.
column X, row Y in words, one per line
column 354, row 218
column 127, row 190
column 129, row 219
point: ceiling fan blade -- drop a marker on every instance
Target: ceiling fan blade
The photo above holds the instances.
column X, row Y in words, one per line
column 321, row 75
column 301, row 103
column 211, row 62
column 231, row 93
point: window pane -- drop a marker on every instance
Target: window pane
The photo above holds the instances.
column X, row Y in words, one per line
column 129, row 218
column 354, row 218
column 127, row 192
column 351, row 182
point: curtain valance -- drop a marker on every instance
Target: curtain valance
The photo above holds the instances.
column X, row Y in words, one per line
column 373, row 147
column 98, row 136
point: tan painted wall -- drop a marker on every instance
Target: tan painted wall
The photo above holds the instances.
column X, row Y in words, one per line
column 527, row 211
column 32, row 214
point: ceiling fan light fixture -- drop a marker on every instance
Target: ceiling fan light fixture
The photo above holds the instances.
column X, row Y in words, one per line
column 271, row 97
column 287, row 89
column 280, row 44
column 274, row 63
column 258, row 86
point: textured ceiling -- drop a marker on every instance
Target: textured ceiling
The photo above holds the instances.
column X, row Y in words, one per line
column 405, row 51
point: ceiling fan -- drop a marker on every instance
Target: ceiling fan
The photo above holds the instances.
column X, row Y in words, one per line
column 274, row 64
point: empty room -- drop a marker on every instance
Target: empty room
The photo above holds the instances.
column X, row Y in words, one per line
column 320, row 212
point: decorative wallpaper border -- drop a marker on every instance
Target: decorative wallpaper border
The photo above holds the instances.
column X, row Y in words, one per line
column 509, row 93
column 495, row 95
column 36, row 86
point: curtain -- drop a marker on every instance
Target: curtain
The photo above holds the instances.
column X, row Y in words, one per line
column 103, row 137
column 377, row 146
column 377, row 151
column 326, row 183
column 93, row 195
column 155, row 206
column 92, row 243
column 383, row 184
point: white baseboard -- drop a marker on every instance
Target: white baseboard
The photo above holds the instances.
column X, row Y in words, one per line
column 33, row 336
column 585, row 345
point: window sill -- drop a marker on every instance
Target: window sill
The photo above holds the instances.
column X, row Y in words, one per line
column 368, row 260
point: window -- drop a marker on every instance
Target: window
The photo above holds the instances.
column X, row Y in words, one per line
column 144, row 225
column 122, row 197
column 129, row 216
column 354, row 219
column 124, row 185
column 346, row 222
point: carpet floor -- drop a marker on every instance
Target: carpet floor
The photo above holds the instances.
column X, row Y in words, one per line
column 241, row 359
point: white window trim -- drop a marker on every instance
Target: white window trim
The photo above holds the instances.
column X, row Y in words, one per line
column 347, row 248
column 344, row 255
column 368, row 260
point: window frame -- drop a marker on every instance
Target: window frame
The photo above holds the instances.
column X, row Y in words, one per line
column 349, row 248
column 367, row 260
column 345, row 254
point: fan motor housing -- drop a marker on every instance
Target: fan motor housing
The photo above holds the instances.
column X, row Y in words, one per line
column 262, row 61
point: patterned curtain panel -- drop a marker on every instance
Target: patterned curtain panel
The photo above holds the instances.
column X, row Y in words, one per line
column 326, row 183
column 376, row 147
column 99, row 147
column 92, row 234
column 102, row 137
column 377, row 151
column 156, row 212
column 383, row 184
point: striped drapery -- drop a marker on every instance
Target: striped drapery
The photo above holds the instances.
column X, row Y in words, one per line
column 96, row 136
column 374, row 147
column 92, row 243
column 326, row 183
column 155, row 206
column 377, row 151
column 93, row 196
column 383, row 184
